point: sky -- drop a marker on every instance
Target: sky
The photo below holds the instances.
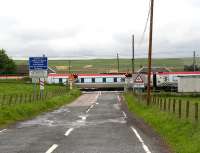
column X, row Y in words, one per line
column 98, row 28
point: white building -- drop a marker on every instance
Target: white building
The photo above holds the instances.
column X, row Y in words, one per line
column 189, row 83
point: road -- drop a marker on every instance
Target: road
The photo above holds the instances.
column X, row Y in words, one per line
column 94, row 123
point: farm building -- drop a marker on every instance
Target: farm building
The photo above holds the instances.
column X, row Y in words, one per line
column 189, row 83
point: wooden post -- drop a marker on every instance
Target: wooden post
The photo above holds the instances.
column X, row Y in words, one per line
column 174, row 106
column 179, row 108
column 196, row 112
column 161, row 104
column 187, row 109
column 165, row 104
column 169, row 104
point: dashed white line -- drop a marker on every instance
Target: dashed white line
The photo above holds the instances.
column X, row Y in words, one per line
column 125, row 116
column 69, row 131
column 3, row 130
column 146, row 149
column 53, row 147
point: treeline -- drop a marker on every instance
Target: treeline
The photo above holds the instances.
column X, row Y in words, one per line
column 7, row 65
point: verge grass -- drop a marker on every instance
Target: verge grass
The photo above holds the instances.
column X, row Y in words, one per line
column 182, row 135
column 18, row 112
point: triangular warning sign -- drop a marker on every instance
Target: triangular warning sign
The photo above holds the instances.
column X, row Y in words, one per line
column 139, row 79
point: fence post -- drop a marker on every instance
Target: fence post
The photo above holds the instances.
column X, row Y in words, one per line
column 169, row 104
column 196, row 112
column 174, row 106
column 179, row 108
column 10, row 100
column 187, row 109
column 165, row 105
column 161, row 104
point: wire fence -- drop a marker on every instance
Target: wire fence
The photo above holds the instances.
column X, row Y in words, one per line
column 183, row 109
column 21, row 98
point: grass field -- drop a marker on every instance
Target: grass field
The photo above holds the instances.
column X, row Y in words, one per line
column 182, row 135
column 12, row 113
column 110, row 65
column 18, row 88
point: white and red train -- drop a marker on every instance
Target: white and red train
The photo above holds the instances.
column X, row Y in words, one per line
column 159, row 80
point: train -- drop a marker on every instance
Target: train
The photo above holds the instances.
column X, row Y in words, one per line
column 159, row 80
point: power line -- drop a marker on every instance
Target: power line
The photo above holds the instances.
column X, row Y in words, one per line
column 145, row 28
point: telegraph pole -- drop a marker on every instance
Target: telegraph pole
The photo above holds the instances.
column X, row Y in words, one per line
column 133, row 54
column 118, row 62
column 69, row 66
column 150, row 55
column 194, row 61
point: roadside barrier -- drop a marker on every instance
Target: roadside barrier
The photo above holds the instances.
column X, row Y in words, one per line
column 30, row 98
column 182, row 109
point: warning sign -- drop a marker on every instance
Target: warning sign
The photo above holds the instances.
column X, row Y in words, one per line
column 138, row 82
column 139, row 79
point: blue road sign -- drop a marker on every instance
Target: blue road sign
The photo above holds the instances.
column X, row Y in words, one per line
column 38, row 63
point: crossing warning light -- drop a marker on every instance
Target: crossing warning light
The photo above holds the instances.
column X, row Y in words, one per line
column 128, row 75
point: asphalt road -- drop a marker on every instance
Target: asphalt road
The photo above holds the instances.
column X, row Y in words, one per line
column 94, row 123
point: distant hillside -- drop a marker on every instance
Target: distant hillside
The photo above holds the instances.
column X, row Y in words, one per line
column 110, row 65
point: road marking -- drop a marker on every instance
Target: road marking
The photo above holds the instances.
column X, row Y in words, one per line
column 125, row 116
column 3, row 130
column 83, row 117
column 53, row 147
column 146, row 149
column 119, row 99
column 69, row 131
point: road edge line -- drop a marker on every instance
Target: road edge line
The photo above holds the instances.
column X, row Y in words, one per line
column 52, row 148
column 145, row 147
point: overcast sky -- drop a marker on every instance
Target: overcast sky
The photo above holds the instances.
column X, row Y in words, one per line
column 97, row 28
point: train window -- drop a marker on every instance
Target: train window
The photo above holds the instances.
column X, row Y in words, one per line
column 115, row 79
column 82, row 80
column 93, row 80
column 60, row 80
column 104, row 80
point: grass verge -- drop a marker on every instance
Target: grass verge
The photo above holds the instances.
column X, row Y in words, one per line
column 183, row 136
column 18, row 112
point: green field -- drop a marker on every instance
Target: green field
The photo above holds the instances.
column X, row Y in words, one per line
column 23, row 88
column 182, row 135
column 110, row 65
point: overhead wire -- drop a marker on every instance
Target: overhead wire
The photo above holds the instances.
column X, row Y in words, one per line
column 145, row 28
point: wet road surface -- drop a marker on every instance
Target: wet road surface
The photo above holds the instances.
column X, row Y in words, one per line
column 94, row 123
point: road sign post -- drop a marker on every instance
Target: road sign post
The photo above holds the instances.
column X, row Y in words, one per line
column 138, row 84
column 38, row 67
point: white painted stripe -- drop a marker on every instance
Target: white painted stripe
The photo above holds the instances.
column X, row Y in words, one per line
column 119, row 99
column 53, row 147
column 88, row 110
column 146, row 149
column 69, row 131
column 3, row 130
column 125, row 116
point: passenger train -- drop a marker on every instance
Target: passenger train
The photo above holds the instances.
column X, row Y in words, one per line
column 159, row 80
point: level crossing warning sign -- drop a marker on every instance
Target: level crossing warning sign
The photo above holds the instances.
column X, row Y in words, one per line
column 138, row 82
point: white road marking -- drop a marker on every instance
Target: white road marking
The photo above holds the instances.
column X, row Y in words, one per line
column 125, row 116
column 3, row 130
column 53, row 147
column 83, row 117
column 119, row 99
column 69, row 131
column 146, row 149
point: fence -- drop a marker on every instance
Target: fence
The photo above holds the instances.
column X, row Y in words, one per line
column 30, row 98
column 183, row 109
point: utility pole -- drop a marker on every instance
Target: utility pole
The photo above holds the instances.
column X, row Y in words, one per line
column 150, row 55
column 194, row 61
column 133, row 54
column 69, row 66
column 117, row 62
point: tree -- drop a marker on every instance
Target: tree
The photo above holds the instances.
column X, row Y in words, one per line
column 7, row 65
